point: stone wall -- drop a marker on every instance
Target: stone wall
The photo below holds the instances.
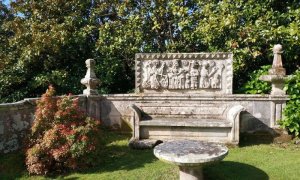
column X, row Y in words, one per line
column 262, row 112
column 15, row 120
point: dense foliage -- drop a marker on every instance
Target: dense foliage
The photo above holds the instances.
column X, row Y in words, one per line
column 48, row 41
column 62, row 137
column 5, row 15
column 256, row 86
column 291, row 119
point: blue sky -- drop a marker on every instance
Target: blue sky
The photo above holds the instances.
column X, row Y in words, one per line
column 5, row 1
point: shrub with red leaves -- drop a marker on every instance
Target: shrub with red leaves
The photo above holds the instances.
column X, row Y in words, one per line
column 62, row 136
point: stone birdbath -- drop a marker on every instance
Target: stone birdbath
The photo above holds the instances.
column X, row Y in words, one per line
column 190, row 156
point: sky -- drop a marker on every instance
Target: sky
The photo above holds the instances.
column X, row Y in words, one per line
column 5, row 1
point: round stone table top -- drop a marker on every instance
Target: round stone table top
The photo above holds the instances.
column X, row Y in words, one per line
column 190, row 152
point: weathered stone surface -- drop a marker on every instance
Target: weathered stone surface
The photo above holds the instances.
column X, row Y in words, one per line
column 143, row 144
column 277, row 74
column 114, row 111
column 190, row 152
column 188, row 118
column 186, row 122
column 184, row 72
column 190, row 156
column 261, row 111
column 173, row 116
column 90, row 80
column 15, row 120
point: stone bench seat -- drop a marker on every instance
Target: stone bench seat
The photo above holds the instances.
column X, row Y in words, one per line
column 186, row 122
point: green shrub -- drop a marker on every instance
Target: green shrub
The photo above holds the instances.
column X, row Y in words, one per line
column 256, row 86
column 291, row 120
column 62, row 136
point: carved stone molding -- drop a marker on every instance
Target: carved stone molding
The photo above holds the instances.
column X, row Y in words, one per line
column 184, row 72
column 217, row 55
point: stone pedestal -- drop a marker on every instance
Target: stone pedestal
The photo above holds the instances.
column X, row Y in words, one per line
column 277, row 82
column 190, row 173
column 277, row 73
column 90, row 80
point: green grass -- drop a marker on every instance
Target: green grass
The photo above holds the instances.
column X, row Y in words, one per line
column 120, row 162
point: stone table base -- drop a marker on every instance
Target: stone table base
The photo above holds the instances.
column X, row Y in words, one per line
column 190, row 172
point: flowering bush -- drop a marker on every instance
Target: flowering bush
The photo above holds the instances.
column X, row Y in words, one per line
column 62, row 136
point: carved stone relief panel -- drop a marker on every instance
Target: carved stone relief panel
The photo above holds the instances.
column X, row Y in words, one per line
column 197, row 72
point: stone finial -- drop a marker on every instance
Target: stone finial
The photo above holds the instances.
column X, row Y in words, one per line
column 277, row 73
column 90, row 80
column 277, row 49
column 277, row 68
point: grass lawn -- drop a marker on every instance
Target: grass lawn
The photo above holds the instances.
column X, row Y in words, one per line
column 119, row 162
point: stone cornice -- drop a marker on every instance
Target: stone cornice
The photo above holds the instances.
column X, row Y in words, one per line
column 199, row 56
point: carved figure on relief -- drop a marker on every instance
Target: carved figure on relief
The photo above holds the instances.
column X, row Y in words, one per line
column 152, row 75
column 182, row 74
column 216, row 77
column 212, row 71
column 194, row 73
column 156, row 74
column 146, row 79
column 186, row 71
column 178, row 76
column 164, row 82
column 204, row 75
column 170, row 74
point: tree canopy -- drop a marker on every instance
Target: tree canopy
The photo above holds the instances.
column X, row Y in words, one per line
column 46, row 42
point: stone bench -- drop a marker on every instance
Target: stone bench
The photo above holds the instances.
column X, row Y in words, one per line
column 216, row 123
column 178, row 79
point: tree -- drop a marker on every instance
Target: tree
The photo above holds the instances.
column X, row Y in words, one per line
column 51, row 39
column 247, row 28
column 5, row 15
column 49, row 42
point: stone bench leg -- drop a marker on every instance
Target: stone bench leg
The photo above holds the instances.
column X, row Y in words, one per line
column 190, row 173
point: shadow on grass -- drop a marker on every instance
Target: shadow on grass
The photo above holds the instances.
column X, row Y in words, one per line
column 263, row 137
column 123, row 158
column 233, row 170
column 116, row 155
column 113, row 154
column 12, row 166
column 120, row 157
